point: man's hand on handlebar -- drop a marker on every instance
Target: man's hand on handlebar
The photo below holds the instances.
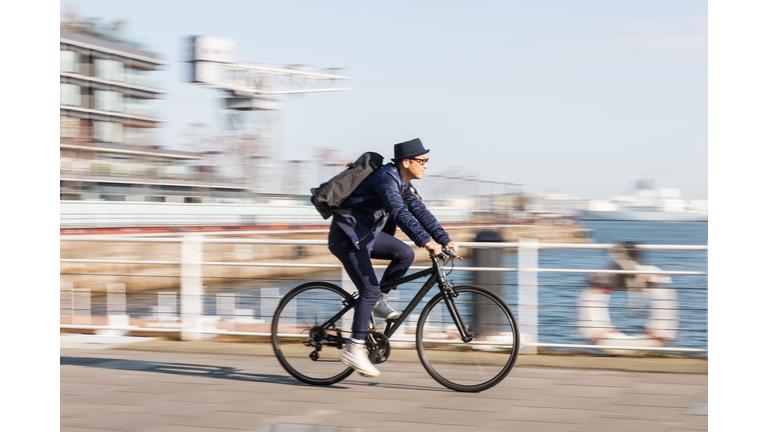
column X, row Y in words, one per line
column 433, row 248
column 454, row 246
column 446, row 252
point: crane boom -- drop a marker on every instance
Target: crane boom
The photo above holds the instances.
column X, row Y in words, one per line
column 214, row 66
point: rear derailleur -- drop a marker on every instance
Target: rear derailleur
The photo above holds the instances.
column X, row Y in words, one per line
column 319, row 337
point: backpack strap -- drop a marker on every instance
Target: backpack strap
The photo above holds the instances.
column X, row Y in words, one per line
column 354, row 211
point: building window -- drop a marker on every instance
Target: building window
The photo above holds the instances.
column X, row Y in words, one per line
column 69, row 94
column 69, row 61
column 108, row 131
column 138, row 77
column 109, row 101
column 69, row 127
column 109, row 70
column 134, row 135
column 135, row 106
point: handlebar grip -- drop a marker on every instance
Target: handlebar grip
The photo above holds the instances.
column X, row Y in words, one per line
column 451, row 254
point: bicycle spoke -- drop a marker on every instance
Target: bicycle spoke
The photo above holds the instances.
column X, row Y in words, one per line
column 305, row 342
column 486, row 359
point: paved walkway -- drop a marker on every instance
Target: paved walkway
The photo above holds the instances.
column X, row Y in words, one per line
column 148, row 391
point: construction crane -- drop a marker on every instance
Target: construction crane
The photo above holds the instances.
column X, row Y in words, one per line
column 252, row 98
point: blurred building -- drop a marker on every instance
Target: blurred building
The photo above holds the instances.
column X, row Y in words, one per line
column 107, row 145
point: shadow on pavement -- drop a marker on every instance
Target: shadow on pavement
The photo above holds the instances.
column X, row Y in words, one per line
column 208, row 371
column 220, row 372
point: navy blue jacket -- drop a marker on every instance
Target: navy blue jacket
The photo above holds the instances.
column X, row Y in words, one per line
column 385, row 189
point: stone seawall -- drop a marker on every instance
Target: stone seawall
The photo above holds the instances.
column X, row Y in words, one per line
column 141, row 277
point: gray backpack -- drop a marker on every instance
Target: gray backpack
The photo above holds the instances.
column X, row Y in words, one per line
column 328, row 197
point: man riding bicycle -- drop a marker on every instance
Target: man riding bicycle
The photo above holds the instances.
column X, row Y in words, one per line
column 355, row 239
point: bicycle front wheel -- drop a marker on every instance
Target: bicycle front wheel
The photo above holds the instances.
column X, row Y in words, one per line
column 305, row 339
column 471, row 366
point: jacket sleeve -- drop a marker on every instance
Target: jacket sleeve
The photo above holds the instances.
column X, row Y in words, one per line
column 387, row 189
column 424, row 216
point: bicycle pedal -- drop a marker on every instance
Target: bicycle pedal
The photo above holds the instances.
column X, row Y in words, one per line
column 366, row 375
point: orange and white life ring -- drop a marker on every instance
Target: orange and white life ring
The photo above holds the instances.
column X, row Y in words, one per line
column 595, row 319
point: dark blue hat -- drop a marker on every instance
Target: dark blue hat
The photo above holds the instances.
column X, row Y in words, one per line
column 409, row 149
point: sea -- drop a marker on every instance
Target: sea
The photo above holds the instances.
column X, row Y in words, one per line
column 558, row 293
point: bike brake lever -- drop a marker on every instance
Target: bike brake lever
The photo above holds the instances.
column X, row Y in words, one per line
column 449, row 253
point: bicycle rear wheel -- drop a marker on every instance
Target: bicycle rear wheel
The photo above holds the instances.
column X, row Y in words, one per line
column 483, row 362
column 305, row 343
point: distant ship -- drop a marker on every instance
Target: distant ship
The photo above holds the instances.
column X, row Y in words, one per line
column 652, row 205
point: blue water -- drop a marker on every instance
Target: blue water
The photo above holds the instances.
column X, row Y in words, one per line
column 558, row 292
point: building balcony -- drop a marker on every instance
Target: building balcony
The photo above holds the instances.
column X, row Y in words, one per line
column 130, row 85
column 95, row 114
column 100, row 43
column 75, row 134
column 142, row 173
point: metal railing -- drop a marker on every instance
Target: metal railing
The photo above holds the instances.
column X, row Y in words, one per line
column 100, row 214
column 104, row 220
column 192, row 323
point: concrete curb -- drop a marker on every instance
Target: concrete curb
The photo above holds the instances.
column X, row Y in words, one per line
column 626, row 364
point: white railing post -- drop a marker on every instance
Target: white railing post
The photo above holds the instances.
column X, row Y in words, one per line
column 348, row 286
column 191, row 287
column 116, row 316
column 527, row 294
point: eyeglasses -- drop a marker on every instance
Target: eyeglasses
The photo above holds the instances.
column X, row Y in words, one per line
column 421, row 162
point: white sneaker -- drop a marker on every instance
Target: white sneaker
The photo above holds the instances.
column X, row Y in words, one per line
column 384, row 310
column 356, row 356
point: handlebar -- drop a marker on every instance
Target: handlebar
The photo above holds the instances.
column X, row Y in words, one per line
column 448, row 253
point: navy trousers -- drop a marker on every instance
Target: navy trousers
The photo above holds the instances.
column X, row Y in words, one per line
column 357, row 263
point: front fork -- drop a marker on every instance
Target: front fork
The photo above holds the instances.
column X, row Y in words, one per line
column 446, row 288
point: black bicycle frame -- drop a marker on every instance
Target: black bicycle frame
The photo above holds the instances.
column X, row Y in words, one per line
column 435, row 276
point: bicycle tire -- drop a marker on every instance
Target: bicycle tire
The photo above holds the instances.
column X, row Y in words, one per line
column 303, row 308
column 474, row 366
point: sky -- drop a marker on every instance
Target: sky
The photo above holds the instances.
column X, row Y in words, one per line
column 571, row 97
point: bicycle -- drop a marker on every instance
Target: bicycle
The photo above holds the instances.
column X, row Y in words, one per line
column 466, row 337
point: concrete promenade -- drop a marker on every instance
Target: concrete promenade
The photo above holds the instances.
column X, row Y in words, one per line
column 167, row 389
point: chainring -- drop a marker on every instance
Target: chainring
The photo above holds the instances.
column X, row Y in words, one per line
column 378, row 347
